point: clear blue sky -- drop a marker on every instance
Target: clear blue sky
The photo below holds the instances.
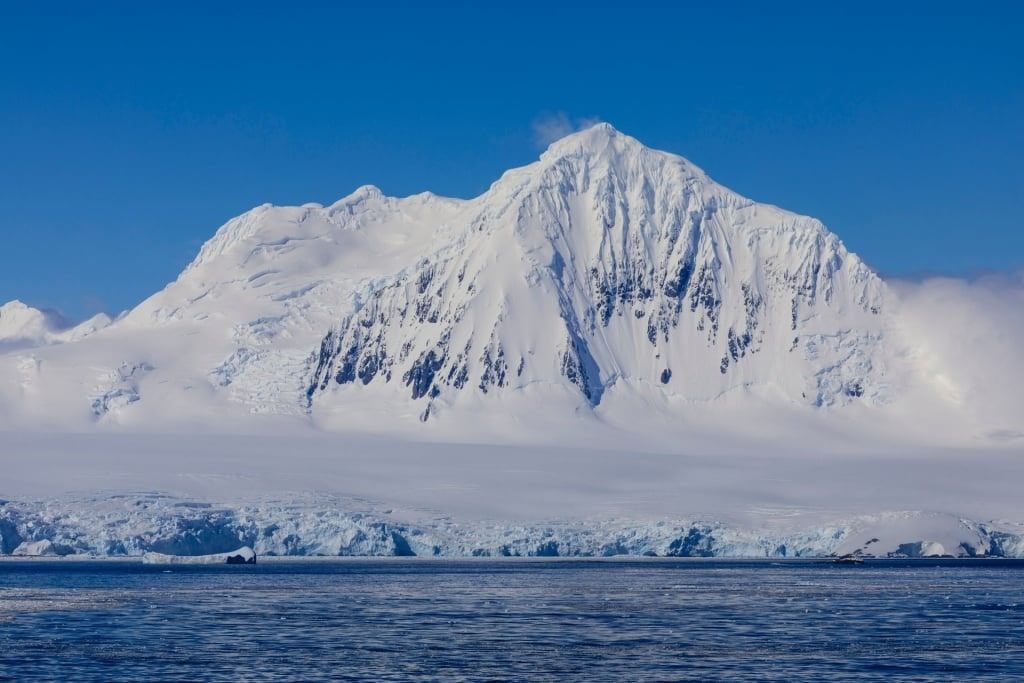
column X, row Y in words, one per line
column 129, row 134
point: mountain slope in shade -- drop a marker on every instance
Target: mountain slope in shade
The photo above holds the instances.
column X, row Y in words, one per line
column 606, row 264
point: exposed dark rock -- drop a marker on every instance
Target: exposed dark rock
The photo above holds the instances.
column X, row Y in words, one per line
column 421, row 375
column 495, row 369
column 573, row 370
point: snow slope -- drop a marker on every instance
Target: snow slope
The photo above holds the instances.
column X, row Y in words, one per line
column 607, row 351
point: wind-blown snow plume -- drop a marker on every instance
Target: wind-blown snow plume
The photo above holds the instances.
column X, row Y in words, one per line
column 550, row 128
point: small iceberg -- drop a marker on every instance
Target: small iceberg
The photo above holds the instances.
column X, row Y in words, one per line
column 244, row 555
column 43, row 548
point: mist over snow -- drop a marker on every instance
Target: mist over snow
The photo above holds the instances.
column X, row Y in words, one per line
column 967, row 334
column 22, row 326
column 605, row 353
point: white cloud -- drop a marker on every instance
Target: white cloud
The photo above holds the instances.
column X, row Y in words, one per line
column 551, row 127
column 969, row 333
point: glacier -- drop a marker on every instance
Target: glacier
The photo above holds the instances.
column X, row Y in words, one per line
column 607, row 352
column 157, row 526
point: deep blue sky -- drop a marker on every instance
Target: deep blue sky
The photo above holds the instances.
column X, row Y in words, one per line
column 128, row 135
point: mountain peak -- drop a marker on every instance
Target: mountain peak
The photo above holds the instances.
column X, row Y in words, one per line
column 364, row 192
column 603, row 149
column 593, row 140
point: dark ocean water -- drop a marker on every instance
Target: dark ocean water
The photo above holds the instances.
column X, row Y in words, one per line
column 513, row 621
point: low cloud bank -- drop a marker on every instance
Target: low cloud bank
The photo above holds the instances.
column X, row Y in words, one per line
column 967, row 333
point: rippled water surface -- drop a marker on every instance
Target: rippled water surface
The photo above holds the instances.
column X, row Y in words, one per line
column 512, row 621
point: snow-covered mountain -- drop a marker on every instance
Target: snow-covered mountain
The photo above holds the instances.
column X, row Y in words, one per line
column 608, row 264
column 605, row 283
